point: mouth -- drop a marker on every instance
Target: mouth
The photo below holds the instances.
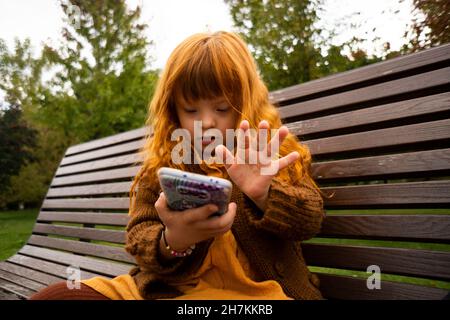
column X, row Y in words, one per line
column 207, row 140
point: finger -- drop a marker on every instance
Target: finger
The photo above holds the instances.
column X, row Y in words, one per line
column 286, row 160
column 262, row 134
column 225, row 155
column 274, row 144
column 215, row 224
column 200, row 213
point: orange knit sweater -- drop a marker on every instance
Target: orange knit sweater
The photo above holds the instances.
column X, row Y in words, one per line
column 270, row 240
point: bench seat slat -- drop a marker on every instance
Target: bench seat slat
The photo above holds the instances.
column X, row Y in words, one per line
column 55, row 269
column 91, row 249
column 113, row 219
column 87, row 203
column 409, row 193
column 383, row 166
column 348, row 288
column 103, row 267
column 418, row 227
column 21, row 281
column 387, row 89
column 15, row 289
column 388, row 112
column 397, row 136
column 28, row 273
column 82, row 233
column 410, row 262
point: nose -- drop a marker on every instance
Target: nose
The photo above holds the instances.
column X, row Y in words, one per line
column 208, row 121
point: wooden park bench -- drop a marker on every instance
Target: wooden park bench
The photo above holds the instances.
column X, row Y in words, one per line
column 379, row 136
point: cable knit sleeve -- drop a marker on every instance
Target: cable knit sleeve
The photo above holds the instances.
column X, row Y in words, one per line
column 144, row 232
column 293, row 212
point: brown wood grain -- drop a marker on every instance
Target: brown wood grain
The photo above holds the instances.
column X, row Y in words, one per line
column 87, row 203
column 390, row 137
column 386, row 89
column 374, row 115
column 383, row 166
column 406, row 262
column 370, row 73
column 408, row 193
column 91, row 249
column 82, row 233
column 113, row 219
column 407, row 227
column 347, row 288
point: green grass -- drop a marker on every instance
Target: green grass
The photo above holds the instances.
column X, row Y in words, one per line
column 15, row 229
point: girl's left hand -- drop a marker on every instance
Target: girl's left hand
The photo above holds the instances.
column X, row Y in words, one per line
column 253, row 167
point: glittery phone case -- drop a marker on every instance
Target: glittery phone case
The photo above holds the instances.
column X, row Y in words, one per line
column 185, row 190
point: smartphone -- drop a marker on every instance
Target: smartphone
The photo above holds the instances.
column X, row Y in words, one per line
column 185, row 190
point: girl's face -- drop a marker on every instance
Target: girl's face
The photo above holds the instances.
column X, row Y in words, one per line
column 213, row 114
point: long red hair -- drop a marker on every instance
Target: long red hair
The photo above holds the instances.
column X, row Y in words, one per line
column 206, row 66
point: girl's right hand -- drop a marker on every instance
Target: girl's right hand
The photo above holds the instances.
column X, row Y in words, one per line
column 188, row 227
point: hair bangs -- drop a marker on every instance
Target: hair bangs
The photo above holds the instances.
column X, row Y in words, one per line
column 207, row 74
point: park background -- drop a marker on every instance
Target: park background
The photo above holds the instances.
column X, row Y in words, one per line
column 69, row 76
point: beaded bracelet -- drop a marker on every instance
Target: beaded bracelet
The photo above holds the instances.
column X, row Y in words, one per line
column 178, row 254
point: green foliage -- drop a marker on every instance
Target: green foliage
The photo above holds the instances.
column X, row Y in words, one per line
column 286, row 42
column 430, row 25
column 16, row 139
column 105, row 91
column 99, row 84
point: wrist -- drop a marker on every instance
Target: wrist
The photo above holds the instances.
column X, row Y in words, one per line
column 177, row 249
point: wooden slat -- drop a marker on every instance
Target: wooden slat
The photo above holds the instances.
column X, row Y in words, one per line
column 411, row 193
column 373, row 72
column 55, row 269
column 414, row 133
column 103, row 153
column 129, row 159
column 409, row 262
column 387, row 89
column 15, row 289
column 347, row 288
column 386, row 165
column 417, row 227
column 96, row 250
column 21, row 281
column 113, row 219
column 93, row 203
column 121, row 173
column 6, row 295
column 114, row 139
column 108, row 268
column 82, row 233
column 28, row 273
column 387, row 112
column 91, row 190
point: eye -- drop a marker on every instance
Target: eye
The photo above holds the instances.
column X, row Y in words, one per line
column 222, row 110
column 189, row 110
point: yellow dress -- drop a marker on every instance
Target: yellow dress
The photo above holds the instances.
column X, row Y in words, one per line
column 224, row 275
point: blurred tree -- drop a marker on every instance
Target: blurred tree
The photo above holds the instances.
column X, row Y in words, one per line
column 95, row 83
column 430, row 25
column 16, row 140
column 287, row 44
column 103, row 82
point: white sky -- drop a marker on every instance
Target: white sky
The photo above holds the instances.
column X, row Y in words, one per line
column 171, row 21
